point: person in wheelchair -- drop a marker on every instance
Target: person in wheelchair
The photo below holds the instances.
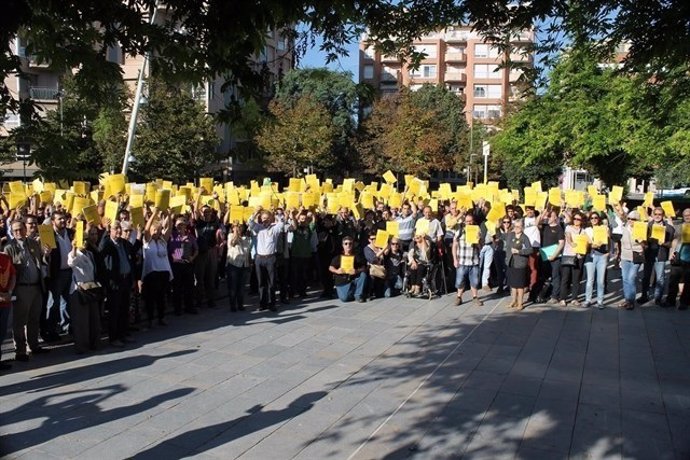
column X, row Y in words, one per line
column 420, row 259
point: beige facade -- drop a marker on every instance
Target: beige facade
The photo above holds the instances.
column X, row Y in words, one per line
column 459, row 59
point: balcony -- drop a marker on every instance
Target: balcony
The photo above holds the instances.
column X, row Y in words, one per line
column 385, row 58
column 456, row 57
column 34, row 61
column 457, row 36
column 517, row 57
column 455, row 77
column 43, row 93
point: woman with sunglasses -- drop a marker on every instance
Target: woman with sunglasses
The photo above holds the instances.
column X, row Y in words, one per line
column 571, row 262
column 518, row 250
column 393, row 261
column 502, row 231
column 374, row 256
column 596, row 260
column 419, row 259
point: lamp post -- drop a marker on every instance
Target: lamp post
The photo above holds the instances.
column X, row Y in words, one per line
column 469, row 175
column 23, row 153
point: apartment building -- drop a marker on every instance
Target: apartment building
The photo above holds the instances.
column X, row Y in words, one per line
column 43, row 85
column 459, row 59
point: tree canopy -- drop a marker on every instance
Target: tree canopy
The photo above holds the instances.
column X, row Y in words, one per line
column 193, row 40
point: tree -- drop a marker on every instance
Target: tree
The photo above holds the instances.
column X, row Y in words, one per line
column 176, row 139
column 338, row 94
column 297, row 136
column 589, row 117
column 413, row 132
column 195, row 40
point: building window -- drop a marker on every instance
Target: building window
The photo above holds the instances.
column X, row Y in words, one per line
column 484, row 111
column 282, row 43
column 486, row 71
column 370, row 52
column 493, row 91
column 114, row 54
column 424, row 71
column 456, row 89
column 453, row 49
column 429, row 50
column 368, row 72
column 483, row 50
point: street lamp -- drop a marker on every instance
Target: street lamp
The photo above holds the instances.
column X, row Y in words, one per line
column 23, row 153
column 469, row 167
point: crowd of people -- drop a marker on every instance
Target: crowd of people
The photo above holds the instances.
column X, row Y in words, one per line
column 120, row 275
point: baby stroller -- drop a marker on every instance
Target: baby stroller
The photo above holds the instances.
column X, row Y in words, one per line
column 422, row 282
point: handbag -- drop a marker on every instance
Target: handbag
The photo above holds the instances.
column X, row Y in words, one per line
column 377, row 271
column 91, row 292
column 638, row 258
column 569, row 261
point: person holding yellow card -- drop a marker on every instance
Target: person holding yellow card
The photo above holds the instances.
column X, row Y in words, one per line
column 680, row 265
column 349, row 273
column 572, row 260
column 596, row 259
column 657, row 255
column 60, row 274
column 465, row 252
column 631, row 256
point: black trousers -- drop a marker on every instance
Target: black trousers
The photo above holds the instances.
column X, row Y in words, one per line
column 570, row 274
column 266, row 278
column 183, row 286
column 300, row 268
column 117, row 303
column 679, row 274
column 155, row 292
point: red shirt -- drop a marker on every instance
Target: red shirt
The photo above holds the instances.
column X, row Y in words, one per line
column 6, row 275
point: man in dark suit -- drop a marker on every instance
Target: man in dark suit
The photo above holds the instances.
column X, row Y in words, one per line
column 59, row 274
column 28, row 260
column 118, row 255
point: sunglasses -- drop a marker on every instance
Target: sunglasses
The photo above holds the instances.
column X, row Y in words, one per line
column 630, row 218
column 577, row 218
column 347, row 244
column 505, row 222
column 594, row 217
column 395, row 244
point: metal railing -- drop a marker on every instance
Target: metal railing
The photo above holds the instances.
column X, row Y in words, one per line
column 44, row 93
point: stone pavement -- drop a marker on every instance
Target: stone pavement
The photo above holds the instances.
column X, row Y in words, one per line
column 391, row 378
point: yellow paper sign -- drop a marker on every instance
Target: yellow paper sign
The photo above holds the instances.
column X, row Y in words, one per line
column 111, row 209
column 46, row 197
column 150, row 192
column 177, row 203
column 381, row 239
column 79, row 234
column 580, row 243
column 162, row 201
column 643, row 213
column 601, row 235
column 685, row 233
column 389, row 177
column 648, row 200
column 207, row 184
column 136, row 201
column 395, row 200
column 616, row 194
column 347, row 263
column 422, row 227
column 137, row 216
column 117, row 183
column 17, row 186
column 659, row 233
column 91, row 214
column 555, row 196
column 236, row 214
column 47, row 236
column 472, row 234
column 640, row 231
column 667, row 206
column 599, row 202
column 292, row 200
column 393, row 228
column 80, row 188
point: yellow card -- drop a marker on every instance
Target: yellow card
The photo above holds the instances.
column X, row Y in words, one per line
column 17, row 186
column 498, row 210
column 640, row 231
column 667, row 206
column 601, row 235
column 79, row 234
column 348, row 185
column 648, row 200
column 80, row 188
column 137, row 216
column 599, row 202
column 17, row 199
column 536, row 186
column 347, row 263
column 381, row 239
column 332, row 202
column 643, row 213
column 393, row 228
column 248, row 213
column 592, row 190
column 421, row 227
column 414, row 187
column 177, row 203
column 659, row 233
column 47, row 236
column 310, row 199
column 37, row 185
column 530, row 196
column 90, row 214
column 207, row 184
column 580, row 244
column 395, row 200
column 79, row 204
column 136, row 201
column 117, row 183
column 389, row 177
column 292, row 200
column 555, row 196
column 46, row 197
column 150, row 192
column 236, row 214
column 162, row 201
column 685, row 233
column 433, row 204
column 111, row 209
column 366, row 199
column 616, row 194
column 472, row 234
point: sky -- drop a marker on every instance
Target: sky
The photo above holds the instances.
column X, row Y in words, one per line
column 316, row 58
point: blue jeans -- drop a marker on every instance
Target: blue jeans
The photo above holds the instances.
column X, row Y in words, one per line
column 352, row 290
column 486, row 258
column 659, row 268
column 467, row 271
column 391, row 286
column 595, row 267
column 629, row 273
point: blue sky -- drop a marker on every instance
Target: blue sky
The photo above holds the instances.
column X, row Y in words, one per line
column 316, row 58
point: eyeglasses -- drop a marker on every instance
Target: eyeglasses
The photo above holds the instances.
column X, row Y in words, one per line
column 594, row 217
column 347, row 244
column 577, row 218
column 505, row 222
column 395, row 244
column 658, row 214
column 630, row 218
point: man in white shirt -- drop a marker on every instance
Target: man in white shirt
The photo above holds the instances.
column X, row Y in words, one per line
column 266, row 232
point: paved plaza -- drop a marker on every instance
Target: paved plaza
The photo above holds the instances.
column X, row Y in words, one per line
column 391, row 378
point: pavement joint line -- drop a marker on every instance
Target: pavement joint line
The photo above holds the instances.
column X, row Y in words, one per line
column 421, row 384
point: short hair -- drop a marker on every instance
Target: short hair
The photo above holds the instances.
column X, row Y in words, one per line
column 347, row 238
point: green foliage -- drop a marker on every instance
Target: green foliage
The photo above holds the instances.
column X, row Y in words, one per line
column 176, row 139
column 299, row 135
column 414, row 131
column 593, row 118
